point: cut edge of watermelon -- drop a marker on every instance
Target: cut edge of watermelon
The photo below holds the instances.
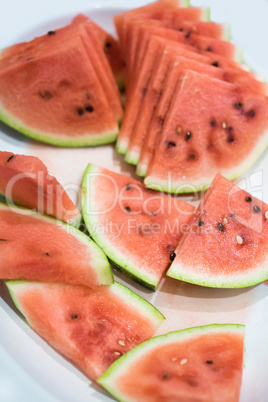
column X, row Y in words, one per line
column 55, row 139
column 108, row 379
column 132, row 157
column 203, row 184
column 235, row 281
column 100, row 263
column 117, row 257
column 129, row 296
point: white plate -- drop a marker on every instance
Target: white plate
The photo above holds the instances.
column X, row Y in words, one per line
column 29, row 369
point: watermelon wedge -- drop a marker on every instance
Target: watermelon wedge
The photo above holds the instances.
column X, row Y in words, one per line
column 26, row 181
column 137, row 228
column 195, row 364
column 37, row 247
column 232, row 127
column 110, row 47
column 90, row 327
column 227, row 244
column 66, row 108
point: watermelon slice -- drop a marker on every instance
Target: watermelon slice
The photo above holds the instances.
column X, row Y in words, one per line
column 66, row 108
column 26, row 181
column 37, row 247
column 196, row 364
column 137, row 228
column 232, row 132
column 90, row 327
column 110, row 47
column 227, row 244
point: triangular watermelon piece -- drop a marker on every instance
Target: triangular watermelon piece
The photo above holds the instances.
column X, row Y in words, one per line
column 227, row 245
column 137, row 228
column 37, row 247
column 91, row 327
column 26, row 181
column 66, row 108
column 212, row 126
column 196, row 364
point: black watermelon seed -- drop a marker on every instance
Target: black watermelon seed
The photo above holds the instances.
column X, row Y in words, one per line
column 74, row 316
column 248, row 199
column 166, row 376
column 10, row 158
column 128, row 209
column 209, row 49
column 170, row 144
column 230, row 138
column 30, row 58
column 45, row 94
column 143, row 91
column 181, row 29
column 80, row 111
column 221, row 227
column 188, row 135
column 192, row 156
column 3, row 240
column 229, row 129
column 47, row 254
column 213, row 123
column 51, row 33
column 256, row 209
column 108, row 45
column 200, row 223
column 160, row 122
column 209, row 362
column 251, row 113
column 238, row 105
column 232, row 215
column 153, row 213
column 128, row 187
column 187, row 36
column 89, row 108
column 215, row 64
column 172, row 256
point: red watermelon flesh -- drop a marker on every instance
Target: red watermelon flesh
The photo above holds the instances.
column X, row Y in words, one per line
column 219, row 117
column 229, row 248
column 26, row 181
column 37, row 247
column 146, row 111
column 137, row 228
column 192, row 365
column 92, row 46
column 91, row 327
column 110, row 47
column 67, row 108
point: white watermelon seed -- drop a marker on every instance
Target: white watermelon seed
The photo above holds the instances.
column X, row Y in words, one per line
column 122, row 343
column 266, row 214
column 224, row 125
column 239, row 240
column 224, row 221
column 174, row 359
column 117, row 353
column 183, row 361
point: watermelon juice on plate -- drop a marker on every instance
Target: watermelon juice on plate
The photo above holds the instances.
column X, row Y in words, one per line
column 29, row 369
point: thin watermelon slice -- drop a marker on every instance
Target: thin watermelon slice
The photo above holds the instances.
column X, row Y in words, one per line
column 195, row 364
column 137, row 229
column 110, row 47
column 66, row 108
column 227, row 245
column 227, row 132
column 26, row 181
column 37, row 247
column 90, row 327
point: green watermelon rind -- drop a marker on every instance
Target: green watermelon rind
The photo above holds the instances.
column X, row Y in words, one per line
column 100, row 262
column 120, row 366
column 204, row 183
column 58, row 140
column 132, row 157
column 116, row 256
column 128, row 296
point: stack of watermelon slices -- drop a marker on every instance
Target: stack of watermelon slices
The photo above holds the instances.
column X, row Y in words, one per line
column 59, row 88
column 192, row 110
